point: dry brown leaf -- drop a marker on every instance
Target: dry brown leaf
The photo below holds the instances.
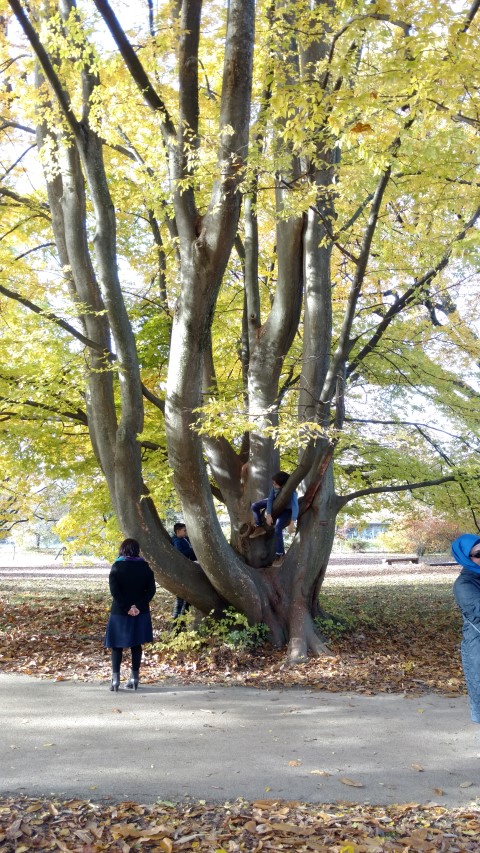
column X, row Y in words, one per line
column 154, row 830
column 351, row 782
column 418, row 768
column 13, row 830
column 83, row 836
column 291, row 827
column 185, row 839
column 360, row 127
column 124, row 830
column 35, row 807
column 294, row 763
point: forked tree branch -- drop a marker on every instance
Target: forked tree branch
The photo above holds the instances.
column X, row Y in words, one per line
column 410, row 295
column 344, row 343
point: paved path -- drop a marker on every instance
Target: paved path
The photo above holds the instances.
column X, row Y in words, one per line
column 79, row 740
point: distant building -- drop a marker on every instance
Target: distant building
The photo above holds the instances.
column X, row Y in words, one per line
column 369, row 530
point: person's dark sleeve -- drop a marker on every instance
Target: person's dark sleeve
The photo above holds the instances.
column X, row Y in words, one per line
column 191, row 553
column 149, row 589
column 183, row 545
column 118, row 594
column 151, row 586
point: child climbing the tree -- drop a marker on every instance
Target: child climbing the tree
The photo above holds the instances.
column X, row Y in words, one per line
column 287, row 517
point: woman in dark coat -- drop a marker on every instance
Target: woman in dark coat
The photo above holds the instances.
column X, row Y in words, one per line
column 132, row 585
column 466, row 589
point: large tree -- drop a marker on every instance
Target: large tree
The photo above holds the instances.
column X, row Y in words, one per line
column 253, row 248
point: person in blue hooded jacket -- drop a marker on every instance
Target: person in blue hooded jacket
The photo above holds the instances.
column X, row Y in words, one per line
column 466, row 589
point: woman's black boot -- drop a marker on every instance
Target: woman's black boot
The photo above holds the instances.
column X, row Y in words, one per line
column 132, row 682
column 115, row 681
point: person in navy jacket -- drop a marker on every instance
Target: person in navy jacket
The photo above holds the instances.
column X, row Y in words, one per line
column 132, row 585
column 181, row 542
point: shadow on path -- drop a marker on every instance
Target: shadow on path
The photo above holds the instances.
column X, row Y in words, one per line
column 79, row 740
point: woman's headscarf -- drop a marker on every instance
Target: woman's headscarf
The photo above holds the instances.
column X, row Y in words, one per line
column 461, row 548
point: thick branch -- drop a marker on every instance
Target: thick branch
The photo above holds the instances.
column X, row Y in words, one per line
column 41, row 207
column 34, row 249
column 471, row 15
column 136, row 69
column 380, row 490
column 77, row 415
column 152, row 398
column 12, row 294
column 344, row 343
column 15, row 124
column 188, row 70
column 48, row 69
column 234, row 114
column 162, row 263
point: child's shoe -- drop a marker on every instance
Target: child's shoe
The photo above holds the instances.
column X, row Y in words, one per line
column 257, row 531
column 279, row 558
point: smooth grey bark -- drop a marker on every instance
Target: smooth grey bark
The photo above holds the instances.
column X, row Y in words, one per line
column 203, row 262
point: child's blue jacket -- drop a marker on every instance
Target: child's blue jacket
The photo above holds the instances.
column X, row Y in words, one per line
column 292, row 504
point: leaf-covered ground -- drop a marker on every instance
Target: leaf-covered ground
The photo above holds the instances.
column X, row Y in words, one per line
column 396, row 637
column 400, row 636
column 79, row 826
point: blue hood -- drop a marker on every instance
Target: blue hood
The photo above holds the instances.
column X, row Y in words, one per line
column 461, row 548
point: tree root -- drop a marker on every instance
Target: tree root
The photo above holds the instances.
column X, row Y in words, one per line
column 299, row 647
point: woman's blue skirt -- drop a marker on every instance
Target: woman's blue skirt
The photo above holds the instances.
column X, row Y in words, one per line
column 123, row 632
